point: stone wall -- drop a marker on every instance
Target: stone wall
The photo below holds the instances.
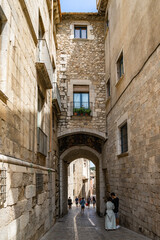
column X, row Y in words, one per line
column 25, row 213
column 135, row 175
column 81, row 62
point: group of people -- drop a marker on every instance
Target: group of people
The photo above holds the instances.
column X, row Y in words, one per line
column 111, row 212
column 82, row 202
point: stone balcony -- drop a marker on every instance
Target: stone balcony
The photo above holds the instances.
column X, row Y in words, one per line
column 56, row 99
column 44, row 64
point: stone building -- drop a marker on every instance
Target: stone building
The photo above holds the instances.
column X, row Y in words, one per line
column 107, row 68
column 79, row 179
column 111, row 59
column 92, row 182
column 81, row 79
column 132, row 72
column 29, row 106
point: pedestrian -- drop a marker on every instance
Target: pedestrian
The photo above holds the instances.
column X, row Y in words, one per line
column 115, row 200
column 69, row 203
column 82, row 202
column 94, row 201
column 88, row 201
column 76, row 201
column 110, row 219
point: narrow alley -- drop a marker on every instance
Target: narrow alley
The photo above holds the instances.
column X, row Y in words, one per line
column 87, row 226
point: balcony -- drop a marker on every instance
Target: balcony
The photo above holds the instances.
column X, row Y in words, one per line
column 80, row 109
column 56, row 99
column 41, row 142
column 44, row 64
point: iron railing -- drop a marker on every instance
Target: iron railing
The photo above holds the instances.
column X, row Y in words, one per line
column 2, row 185
column 41, row 142
column 56, row 94
column 82, row 109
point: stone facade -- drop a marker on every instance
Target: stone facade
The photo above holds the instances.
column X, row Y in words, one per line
column 29, row 198
column 79, row 179
column 80, row 67
column 134, row 98
column 81, row 62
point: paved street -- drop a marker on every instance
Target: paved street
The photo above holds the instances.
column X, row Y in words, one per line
column 87, row 226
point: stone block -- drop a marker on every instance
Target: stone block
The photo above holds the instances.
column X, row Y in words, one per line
column 24, row 220
column 13, row 229
column 16, row 180
column 30, row 191
column 4, row 233
column 41, row 198
column 12, row 196
column 5, row 216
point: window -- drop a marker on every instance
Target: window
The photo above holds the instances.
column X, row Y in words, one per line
column 80, row 32
column 106, row 22
column 81, row 100
column 108, row 89
column 39, row 183
column 120, row 66
column 124, row 138
column 41, row 30
column 40, row 114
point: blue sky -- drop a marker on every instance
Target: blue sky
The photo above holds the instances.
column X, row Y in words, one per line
column 78, row 5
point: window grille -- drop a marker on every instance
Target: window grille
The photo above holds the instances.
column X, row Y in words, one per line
column 39, row 182
column 2, row 185
column 124, row 138
column 120, row 66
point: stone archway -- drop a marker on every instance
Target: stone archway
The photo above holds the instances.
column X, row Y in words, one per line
column 76, row 146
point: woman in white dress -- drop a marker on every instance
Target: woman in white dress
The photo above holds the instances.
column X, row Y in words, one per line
column 110, row 220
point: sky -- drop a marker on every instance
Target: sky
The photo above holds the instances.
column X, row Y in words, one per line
column 78, row 5
column 92, row 164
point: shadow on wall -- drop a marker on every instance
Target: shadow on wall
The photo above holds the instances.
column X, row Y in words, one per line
column 29, row 209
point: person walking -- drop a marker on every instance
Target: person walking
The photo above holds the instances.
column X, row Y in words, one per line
column 110, row 219
column 94, row 201
column 82, row 202
column 88, row 201
column 69, row 203
column 115, row 201
column 76, row 201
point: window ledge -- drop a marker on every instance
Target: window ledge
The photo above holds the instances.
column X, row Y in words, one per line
column 80, row 39
column 120, row 80
column 123, row 155
column 81, row 117
column 108, row 100
column 106, row 32
column 3, row 97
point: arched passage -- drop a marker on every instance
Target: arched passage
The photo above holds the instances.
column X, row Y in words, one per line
column 77, row 146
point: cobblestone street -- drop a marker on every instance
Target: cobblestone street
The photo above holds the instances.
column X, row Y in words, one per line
column 87, row 226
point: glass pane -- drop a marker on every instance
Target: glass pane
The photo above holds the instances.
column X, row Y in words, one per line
column 83, row 33
column 77, row 33
column 76, row 100
column 85, row 100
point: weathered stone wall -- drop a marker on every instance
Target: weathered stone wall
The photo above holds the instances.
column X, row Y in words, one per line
column 134, row 176
column 81, row 62
column 26, row 214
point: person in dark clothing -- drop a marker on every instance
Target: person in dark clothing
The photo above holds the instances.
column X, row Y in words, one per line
column 69, row 203
column 115, row 200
